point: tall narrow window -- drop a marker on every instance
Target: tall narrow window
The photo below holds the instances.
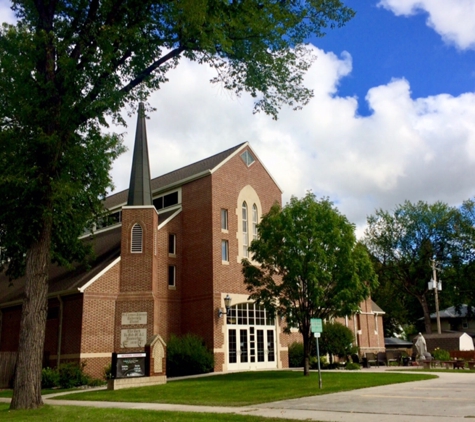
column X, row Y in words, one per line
column 254, row 222
column 245, row 231
column 136, row 244
column 224, row 250
column 171, row 276
column 172, row 244
column 224, row 219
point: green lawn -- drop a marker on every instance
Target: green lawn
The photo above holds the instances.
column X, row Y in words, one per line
column 9, row 393
column 247, row 388
column 70, row 413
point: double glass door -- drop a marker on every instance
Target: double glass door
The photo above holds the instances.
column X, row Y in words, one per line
column 251, row 347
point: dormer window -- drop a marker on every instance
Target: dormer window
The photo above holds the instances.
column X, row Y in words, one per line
column 247, row 157
column 137, row 239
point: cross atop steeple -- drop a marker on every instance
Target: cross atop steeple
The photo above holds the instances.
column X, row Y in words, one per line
column 140, row 192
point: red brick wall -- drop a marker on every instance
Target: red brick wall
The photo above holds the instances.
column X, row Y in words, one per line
column 371, row 338
column 72, row 324
column 99, row 313
column 228, row 181
column 197, row 260
column 168, row 298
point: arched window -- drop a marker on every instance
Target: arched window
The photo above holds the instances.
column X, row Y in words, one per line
column 137, row 235
column 254, row 222
column 245, row 230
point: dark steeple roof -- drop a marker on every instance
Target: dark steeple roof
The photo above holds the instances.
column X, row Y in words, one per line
column 140, row 192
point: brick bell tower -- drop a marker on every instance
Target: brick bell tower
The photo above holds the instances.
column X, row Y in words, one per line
column 136, row 315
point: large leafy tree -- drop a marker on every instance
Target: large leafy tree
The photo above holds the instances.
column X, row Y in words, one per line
column 67, row 65
column 307, row 264
column 404, row 243
column 337, row 340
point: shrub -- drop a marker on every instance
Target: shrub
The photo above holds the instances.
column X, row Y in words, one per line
column 350, row 366
column 107, row 374
column 188, row 355
column 296, row 355
column 314, row 362
column 49, row 378
column 72, row 375
column 95, row 382
column 336, row 340
column 440, row 354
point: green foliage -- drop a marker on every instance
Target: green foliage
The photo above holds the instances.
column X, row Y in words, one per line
column 296, row 355
column 310, row 265
column 440, row 354
column 49, row 378
column 337, row 340
column 351, row 366
column 107, row 374
column 188, row 355
column 68, row 375
column 72, row 375
column 404, row 242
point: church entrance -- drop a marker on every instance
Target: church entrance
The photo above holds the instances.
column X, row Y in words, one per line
column 251, row 338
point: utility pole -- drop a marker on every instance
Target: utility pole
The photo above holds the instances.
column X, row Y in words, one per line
column 436, row 293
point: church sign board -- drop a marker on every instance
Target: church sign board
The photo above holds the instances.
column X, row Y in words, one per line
column 125, row 365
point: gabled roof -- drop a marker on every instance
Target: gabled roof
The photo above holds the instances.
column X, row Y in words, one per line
column 396, row 342
column 63, row 280
column 453, row 312
column 179, row 177
column 375, row 308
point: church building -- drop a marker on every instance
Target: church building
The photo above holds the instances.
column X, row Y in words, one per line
column 168, row 261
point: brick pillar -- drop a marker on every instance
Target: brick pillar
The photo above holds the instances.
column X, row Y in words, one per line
column 136, row 308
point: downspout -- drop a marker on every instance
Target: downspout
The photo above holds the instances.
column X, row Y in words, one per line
column 60, row 331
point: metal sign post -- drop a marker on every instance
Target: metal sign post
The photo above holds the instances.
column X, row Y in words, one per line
column 317, row 327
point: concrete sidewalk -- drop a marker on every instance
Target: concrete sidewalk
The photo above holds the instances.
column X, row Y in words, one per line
column 449, row 398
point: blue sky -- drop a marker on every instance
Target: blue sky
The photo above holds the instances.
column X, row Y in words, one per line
column 393, row 116
column 386, row 46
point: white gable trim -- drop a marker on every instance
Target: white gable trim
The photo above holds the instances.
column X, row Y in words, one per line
column 238, row 151
column 93, row 279
column 164, row 222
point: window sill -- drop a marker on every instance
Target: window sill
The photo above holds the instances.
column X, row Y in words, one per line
column 225, row 262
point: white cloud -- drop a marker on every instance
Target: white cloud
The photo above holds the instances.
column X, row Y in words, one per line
column 453, row 20
column 407, row 148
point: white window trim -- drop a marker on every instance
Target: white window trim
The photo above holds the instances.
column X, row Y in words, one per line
column 225, row 244
column 136, row 244
column 224, row 213
column 245, row 229
column 171, row 286
column 172, row 254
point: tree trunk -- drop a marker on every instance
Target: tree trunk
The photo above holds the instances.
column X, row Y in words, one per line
column 425, row 309
column 27, row 383
column 307, row 347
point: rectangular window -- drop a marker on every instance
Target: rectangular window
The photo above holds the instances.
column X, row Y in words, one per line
column 171, row 275
column 224, row 219
column 172, row 244
column 224, row 250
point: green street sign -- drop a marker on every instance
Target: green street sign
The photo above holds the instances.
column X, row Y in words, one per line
column 316, row 325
